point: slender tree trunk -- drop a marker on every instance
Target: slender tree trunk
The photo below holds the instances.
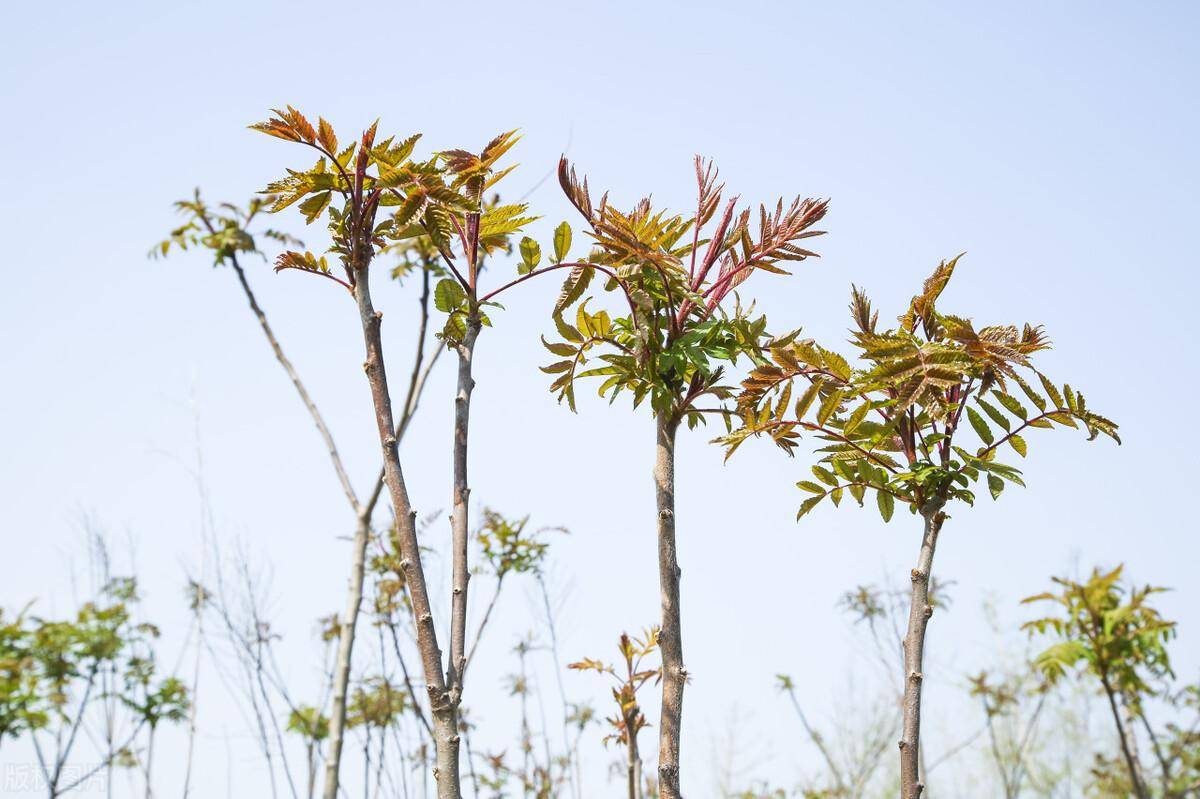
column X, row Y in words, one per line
column 362, row 535
column 192, row 705
column 150, row 764
column 634, row 764
column 341, row 668
column 459, row 520
column 671, row 634
column 914, row 652
column 446, row 739
column 312, row 769
column 1128, row 746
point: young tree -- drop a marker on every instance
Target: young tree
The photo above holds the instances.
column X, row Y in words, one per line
column 229, row 232
column 95, row 669
column 892, row 428
column 312, row 726
column 628, row 680
column 441, row 198
column 348, row 187
column 670, row 343
column 1110, row 632
column 22, row 706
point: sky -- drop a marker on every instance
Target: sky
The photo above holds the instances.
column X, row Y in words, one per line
column 1053, row 143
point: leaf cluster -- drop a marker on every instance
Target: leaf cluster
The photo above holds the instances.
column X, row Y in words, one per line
column 629, row 679
column 309, row 723
column 1106, row 628
column 224, row 229
column 891, row 426
column 672, row 338
column 378, row 703
column 508, row 546
column 49, row 665
column 376, row 196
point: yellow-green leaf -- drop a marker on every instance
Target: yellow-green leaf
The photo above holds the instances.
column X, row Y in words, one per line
column 806, row 400
column 562, row 242
column 887, row 505
column 981, row 427
column 829, row 406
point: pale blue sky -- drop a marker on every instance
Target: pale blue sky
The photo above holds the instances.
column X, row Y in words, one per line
column 1055, row 143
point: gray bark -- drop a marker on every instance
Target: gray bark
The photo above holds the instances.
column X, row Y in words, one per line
column 634, row 762
column 459, row 520
column 362, row 536
column 920, row 610
column 670, row 635
column 446, row 739
column 1128, row 742
column 341, row 670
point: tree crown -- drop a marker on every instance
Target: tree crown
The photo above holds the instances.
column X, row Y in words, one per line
column 892, row 425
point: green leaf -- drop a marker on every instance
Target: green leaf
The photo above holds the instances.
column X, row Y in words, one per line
column 995, row 485
column 994, row 413
column 1051, row 391
column 448, row 295
column 455, row 327
column 981, row 427
column 1018, row 444
column 566, row 330
column 531, row 253
column 808, row 505
column 314, row 205
column 1011, row 404
column 829, row 405
column 856, row 417
column 825, row 476
column 583, row 320
column 1034, row 397
column 806, row 400
column 562, row 242
column 887, row 505
column 811, row 487
column 558, row 348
